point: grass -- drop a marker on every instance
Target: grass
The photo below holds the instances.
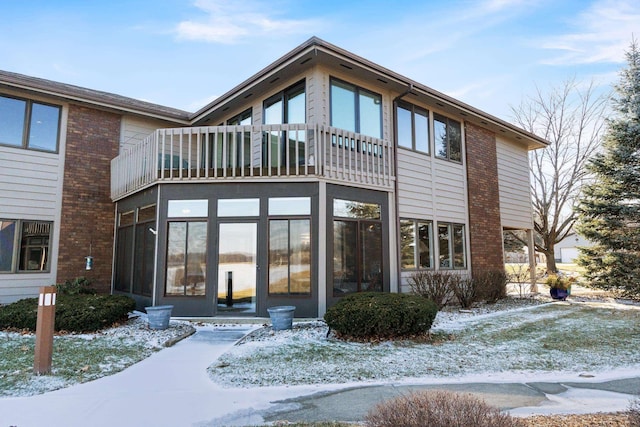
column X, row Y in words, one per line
column 78, row 358
column 75, row 359
column 545, row 338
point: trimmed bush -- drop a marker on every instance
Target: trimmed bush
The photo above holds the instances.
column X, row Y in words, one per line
column 74, row 313
column 465, row 291
column 79, row 285
column 491, row 285
column 381, row 315
column 433, row 285
column 438, row 408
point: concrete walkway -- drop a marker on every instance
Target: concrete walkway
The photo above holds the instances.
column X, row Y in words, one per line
column 171, row 388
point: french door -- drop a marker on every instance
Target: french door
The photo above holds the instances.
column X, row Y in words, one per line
column 237, row 267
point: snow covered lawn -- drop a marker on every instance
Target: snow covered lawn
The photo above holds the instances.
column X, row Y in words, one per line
column 581, row 337
column 79, row 357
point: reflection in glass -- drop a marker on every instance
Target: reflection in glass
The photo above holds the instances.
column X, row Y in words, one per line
column 422, row 130
column 343, row 106
column 448, row 138
column 371, row 256
column 357, row 256
column 424, row 244
column 353, row 209
column 186, row 258
column 443, row 246
column 405, row 136
column 281, row 148
column 123, row 269
column 407, row 244
column 415, row 244
column 238, row 207
column 345, row 257
column 370, row 114
column 187, row 208
column 34, row 246
column 43, row 129
column 459, row 259
column 440, row 136
column 290, row 206
column 238, row 143
column 237, row 264
column 7, row 238
column 12, row 117
column 455, row 141
column 289, row 257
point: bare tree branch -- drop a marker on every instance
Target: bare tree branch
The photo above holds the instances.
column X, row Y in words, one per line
column 571, row 118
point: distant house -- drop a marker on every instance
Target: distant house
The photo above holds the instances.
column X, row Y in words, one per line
column 322, row 175
column 567, row 250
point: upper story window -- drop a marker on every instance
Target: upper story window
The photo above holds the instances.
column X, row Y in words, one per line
column 288, row 106
column 356, row 109
column 280, row 147
column 413, row 127
column 29, row 124
column 448, row 138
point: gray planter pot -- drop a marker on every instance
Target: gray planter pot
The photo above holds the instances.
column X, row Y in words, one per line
column 281, row 317
column 159, row 316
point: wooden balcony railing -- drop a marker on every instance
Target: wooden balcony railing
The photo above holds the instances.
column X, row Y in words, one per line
column 261, row 152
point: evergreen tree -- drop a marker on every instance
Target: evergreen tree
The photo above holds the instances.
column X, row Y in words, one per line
column 609, row 213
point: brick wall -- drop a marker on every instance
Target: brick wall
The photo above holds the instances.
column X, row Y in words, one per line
column 87, row 210
column 485, row 228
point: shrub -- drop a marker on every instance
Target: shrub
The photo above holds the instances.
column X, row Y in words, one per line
column 79, row 285
column 381, row 315
column 74, row 313
column 634, row 413
column 433, row 285
column 465, row 291
column 438, row 409
column 559, row 282
column 491, row 285
column 521, row 276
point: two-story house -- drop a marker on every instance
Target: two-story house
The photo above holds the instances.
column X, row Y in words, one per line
column 322, row 175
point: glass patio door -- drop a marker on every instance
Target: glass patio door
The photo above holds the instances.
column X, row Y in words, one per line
column 237, row 267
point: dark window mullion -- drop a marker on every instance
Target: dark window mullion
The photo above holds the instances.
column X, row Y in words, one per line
column 26, row 125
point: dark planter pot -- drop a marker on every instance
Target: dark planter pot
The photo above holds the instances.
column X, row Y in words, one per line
column 560, row 294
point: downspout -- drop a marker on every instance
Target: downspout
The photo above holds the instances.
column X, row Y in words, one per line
column 396, row 186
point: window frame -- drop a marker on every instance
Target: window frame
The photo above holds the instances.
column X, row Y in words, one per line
column 18, row 245
column 277, row 212
column 415, row 240
column 187, row 221
column 413, row 110
column 447, row 121
column 451, row 243
column 357, row 110
column 26, row 124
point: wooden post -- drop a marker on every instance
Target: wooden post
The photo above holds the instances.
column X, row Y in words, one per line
column 532, row 261
column 44, row 330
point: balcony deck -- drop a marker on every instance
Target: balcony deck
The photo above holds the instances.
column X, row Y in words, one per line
column 262, row 152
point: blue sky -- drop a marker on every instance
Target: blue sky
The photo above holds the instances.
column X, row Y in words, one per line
column 183, row 53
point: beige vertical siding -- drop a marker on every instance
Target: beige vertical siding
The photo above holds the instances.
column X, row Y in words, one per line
column 515, row 192
column 30, row 183
column 135, row 129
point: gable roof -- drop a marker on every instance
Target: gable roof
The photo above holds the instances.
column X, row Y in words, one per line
column 310, row 53
column 316, row 50
column 92, row 97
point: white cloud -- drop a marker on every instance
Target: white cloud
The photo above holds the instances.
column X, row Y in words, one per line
column 230, row 22
column 604, row 34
